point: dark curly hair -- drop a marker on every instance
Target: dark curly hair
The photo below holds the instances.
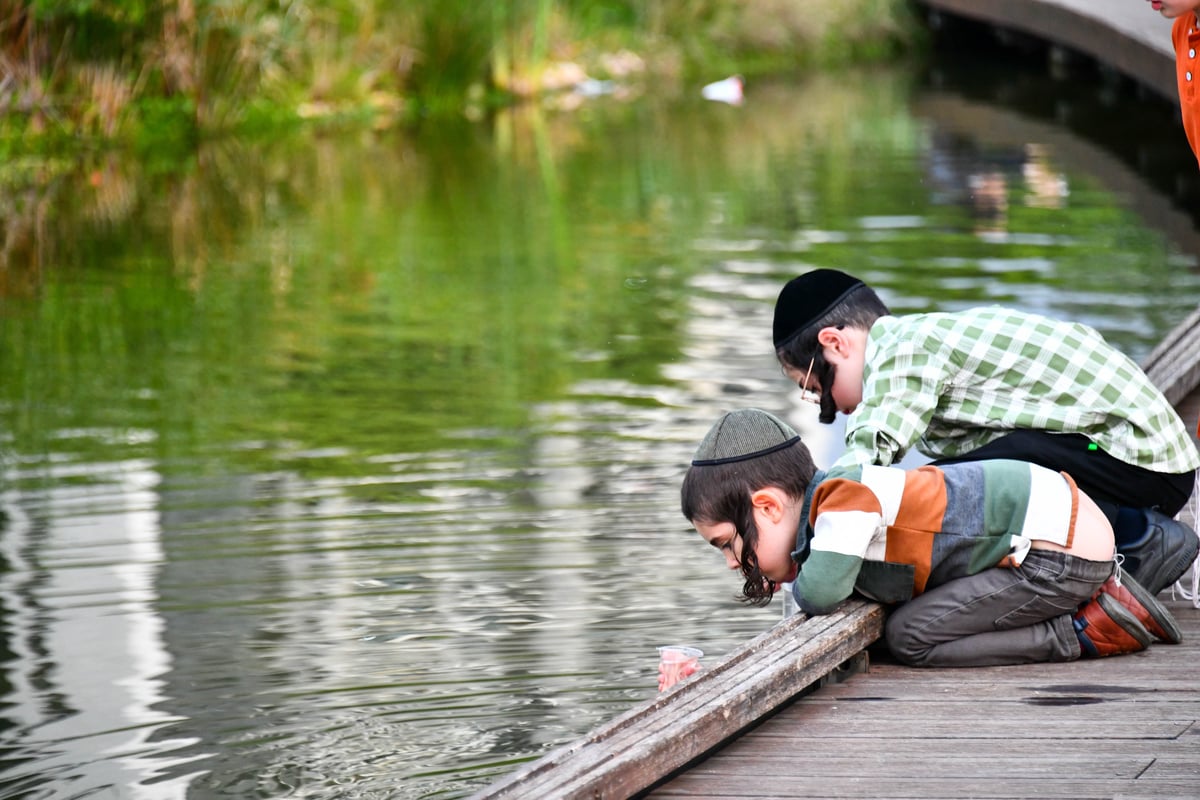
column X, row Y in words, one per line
column 716, row 493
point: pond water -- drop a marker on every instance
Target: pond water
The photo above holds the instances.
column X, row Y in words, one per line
column 348, row 466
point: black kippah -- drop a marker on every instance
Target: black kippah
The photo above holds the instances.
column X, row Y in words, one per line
column 807, row 298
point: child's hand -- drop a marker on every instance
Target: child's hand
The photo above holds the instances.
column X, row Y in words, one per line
column 672, row 673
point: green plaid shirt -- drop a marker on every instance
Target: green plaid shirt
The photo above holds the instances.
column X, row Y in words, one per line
column 949, row 383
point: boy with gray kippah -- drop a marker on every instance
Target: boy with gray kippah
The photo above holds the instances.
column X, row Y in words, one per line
column 991, row 382
column 1040, row 551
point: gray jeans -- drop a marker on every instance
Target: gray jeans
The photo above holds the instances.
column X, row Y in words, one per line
column 998, row 616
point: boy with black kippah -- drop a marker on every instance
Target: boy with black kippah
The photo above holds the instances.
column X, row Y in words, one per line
column 1038, row 550
column 990, row 383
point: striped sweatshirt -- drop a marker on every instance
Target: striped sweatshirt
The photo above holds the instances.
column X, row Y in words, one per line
column 939, row 523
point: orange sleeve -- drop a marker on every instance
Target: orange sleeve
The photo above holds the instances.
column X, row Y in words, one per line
column 1186, row 40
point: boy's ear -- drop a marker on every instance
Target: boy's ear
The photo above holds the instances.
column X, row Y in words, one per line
column 834, row 337
column 768, row 501
column 842, row 342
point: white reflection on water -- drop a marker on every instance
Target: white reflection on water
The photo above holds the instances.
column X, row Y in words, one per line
column 79, row 601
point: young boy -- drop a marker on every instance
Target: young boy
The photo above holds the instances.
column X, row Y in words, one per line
column 1185, row 36
column 1039, row 550
column 990, row 383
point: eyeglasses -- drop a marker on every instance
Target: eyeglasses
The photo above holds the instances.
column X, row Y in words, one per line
column 806, row 394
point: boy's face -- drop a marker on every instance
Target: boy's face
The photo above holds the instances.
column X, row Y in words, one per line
column 1174, row 8
column 845, row 350
column 777, row 518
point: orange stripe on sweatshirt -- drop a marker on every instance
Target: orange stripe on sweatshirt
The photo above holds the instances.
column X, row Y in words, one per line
column 842, row 494
column 910, row 540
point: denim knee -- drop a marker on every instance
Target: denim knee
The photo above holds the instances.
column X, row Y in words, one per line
column 902, row 644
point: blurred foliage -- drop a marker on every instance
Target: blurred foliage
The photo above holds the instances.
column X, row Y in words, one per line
column 102, row 72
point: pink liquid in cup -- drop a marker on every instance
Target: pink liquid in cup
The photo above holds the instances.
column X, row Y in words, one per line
column 676, row 662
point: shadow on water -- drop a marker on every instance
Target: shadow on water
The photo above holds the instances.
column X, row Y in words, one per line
column 1129, row 135
column 348, row 466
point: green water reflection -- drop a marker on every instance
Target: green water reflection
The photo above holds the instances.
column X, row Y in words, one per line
column 380, row 292
column 466, row 295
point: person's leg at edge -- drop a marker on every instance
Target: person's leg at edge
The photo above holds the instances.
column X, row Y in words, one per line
column 1000, row 616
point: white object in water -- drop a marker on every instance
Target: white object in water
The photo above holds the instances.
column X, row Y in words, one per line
column 726, row 91
column 590, row 87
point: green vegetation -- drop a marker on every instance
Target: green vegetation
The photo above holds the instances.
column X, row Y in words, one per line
column 146, row 74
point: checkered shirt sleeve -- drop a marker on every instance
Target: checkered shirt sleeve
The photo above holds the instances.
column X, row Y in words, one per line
column 949, row 383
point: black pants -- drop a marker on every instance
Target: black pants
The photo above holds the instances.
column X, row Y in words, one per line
column 1109, row 481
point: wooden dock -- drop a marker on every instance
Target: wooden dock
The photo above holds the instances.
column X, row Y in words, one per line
column 816, row 708
column 1123, row 727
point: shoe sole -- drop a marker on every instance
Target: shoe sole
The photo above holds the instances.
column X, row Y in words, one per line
column 1176, row 570
column 1169, row 631
column 1125, row 618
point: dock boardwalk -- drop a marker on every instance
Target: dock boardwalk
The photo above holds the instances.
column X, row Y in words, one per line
column 631, row 753
column 1174, row 366
column 1123, row 727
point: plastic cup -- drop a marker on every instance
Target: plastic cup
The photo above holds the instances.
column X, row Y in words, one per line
column 676, row 662
column 789, row 601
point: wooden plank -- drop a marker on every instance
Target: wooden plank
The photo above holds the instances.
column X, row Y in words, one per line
column 851, row 758
column 933, row 765
column 965, row 725
column 869, row 787
column 1174, row 366
column 637, row 749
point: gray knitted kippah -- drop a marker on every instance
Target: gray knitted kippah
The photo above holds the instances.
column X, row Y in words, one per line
column 741, row 435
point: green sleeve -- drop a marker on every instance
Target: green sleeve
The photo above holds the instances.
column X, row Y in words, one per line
column 825, row 580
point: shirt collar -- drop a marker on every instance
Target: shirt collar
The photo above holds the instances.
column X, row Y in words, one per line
column 802, row 536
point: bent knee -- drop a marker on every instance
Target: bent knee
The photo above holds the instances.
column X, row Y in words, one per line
column 904, row 645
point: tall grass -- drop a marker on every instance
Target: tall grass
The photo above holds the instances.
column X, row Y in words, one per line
column 107, row 69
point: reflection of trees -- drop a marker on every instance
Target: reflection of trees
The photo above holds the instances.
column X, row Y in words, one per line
column 248, row 293
column 23, row 223
column 117, row 205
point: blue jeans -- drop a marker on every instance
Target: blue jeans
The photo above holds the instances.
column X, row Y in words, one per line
column 1000, row 616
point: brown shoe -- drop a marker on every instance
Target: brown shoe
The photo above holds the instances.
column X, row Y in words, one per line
column 1145, row 608
column 1107, row 628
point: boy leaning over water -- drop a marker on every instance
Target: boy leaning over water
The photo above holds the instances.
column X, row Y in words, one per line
column 989, row 383
column 1041, row 552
